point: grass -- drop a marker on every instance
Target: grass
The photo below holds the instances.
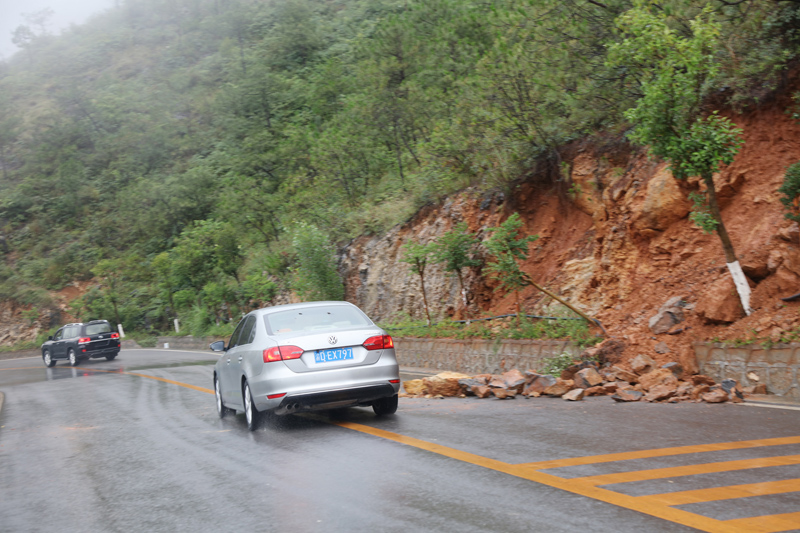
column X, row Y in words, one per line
column 576, row 331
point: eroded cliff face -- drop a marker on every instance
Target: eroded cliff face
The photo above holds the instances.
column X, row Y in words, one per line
column 619, row 245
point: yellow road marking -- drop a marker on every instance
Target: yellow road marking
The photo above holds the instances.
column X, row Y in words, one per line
column 587, row 486
column 726, row 493
column 661, row 452
column 767, row 523
column 689, row 470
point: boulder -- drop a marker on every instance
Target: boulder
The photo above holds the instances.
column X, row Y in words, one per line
column 699, row 379
column 588, row 377
column 504, row 394
column 720, row 303
column 627, row 396
column 414, row 387
column 661, row 347
column 445, row 383
column 660, row 376
column 675, row 368
column 539, row 385
column 642, row 364
column 610, row 352
column 623, row 375
column 559, row 388
column 574, row 395
column 660, row 392
column 481, row 391
column 699, row 390
column 715, row 396
column 514, row 380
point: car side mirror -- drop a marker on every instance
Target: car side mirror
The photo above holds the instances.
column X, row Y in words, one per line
column 218, row 346
column 50, row 338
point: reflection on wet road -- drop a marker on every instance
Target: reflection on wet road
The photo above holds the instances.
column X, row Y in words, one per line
column 135, row 444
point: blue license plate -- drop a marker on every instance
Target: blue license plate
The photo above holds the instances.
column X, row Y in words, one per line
column 334, row 354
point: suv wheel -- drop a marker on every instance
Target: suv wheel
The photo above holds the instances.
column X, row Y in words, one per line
column 48, row 361
column 73, row 359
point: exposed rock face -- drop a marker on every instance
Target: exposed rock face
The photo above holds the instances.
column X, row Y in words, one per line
column 665, row 203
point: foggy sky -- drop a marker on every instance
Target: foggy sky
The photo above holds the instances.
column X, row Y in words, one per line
column 66, row 13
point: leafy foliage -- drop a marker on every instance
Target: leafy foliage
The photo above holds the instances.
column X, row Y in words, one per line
column 790, row 191
column 315, row 273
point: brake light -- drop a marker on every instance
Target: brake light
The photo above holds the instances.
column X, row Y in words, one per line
column 84, row 340
column 282, row 353
column 115, row 335
column 273, row 396
column 379, row 342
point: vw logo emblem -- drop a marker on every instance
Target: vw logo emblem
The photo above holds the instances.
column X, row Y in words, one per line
column 332, row 339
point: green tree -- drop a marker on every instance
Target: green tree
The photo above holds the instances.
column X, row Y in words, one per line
column 416, row 255
column 790, row 191
column 315, row 274
column 456, row 250
column 677, row 74
column 508, row 247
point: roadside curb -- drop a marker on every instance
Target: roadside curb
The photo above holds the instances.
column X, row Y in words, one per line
column 2, row 397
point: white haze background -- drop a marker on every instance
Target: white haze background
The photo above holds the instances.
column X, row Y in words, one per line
column 66, row 13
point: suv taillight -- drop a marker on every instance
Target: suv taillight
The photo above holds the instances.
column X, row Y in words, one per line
column 115, row 335
column 379, row 342
column 282, row 353
column 84, row 340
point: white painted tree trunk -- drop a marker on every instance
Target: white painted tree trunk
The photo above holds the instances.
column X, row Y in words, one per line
column 742, row 287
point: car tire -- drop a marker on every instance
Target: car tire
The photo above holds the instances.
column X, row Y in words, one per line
column 251, row 414
column 48, row 360
column 111, row 357
column 222, row 411
column 385, row 406
column 73, row 358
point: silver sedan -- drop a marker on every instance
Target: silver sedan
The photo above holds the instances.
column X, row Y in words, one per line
column 303, row 357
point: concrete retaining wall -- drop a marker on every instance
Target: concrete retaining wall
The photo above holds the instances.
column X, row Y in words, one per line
column 477, row 356
column 777, row 366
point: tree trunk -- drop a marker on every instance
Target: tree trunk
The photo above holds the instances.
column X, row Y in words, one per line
column 739, row 279
column 424, row 298
column 463, row 295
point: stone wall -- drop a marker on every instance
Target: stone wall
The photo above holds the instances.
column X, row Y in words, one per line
column 776, row 366
column 477, row 356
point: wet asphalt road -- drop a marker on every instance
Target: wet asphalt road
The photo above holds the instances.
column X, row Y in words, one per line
column 86, row 450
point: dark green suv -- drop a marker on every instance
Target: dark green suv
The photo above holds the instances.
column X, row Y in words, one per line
column 75, row 342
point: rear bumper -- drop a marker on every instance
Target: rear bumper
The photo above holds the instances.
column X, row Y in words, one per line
column 100, row 352
column 342, row 387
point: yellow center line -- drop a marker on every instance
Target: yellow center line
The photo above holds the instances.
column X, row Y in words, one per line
column 767, row 523
column 725, row 493
column 689, row 470
column 661, row 452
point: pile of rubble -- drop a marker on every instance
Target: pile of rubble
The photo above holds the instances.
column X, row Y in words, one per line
column 645, row 381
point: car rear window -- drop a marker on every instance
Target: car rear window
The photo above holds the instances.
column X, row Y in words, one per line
column 93, row 329
column 315, row 319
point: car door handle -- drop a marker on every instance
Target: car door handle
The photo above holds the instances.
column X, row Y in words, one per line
column 240, row 359
column 229, row 360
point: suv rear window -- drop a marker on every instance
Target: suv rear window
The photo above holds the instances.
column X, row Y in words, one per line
column 93, row 329
column 315, row 319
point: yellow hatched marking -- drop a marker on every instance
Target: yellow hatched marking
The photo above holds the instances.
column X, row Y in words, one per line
column 661, row 452
column 725, row 493
column 767, row 523
column 690, row 470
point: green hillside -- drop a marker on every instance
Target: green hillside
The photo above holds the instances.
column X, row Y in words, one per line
column 185, row 153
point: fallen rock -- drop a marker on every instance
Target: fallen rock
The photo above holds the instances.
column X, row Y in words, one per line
column 660, row 392
column 642, row 364
column 588, row 377
column 699, row 390
column 660, row 376
column 445, row 383
column 715, row 396
column 610, row 352
column 675, row 368
column 720, row 304
column 414, row 387
column 559, row 388
column 627, row 396
column 514, row 379
column 574, row 395
column 503, row 394
column 761, row 388
column 609, row 388
column 481, row 391
column 540, row 384
column 699, row 379
column 669, row 315
column 624, row 375
column 468, row 383
column 497, row 382
column 661, row 347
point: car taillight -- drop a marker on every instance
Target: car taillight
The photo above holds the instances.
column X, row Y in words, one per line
column 282, row 353
column 379, row 342
column 84, row 340
column 115, row 335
